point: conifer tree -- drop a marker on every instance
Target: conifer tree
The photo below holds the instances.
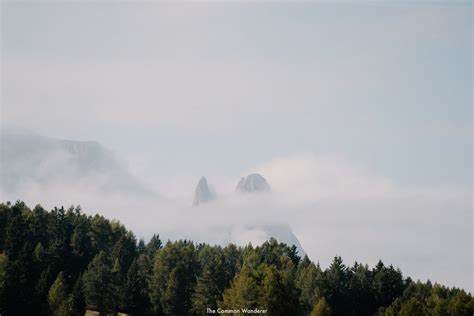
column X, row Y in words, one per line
column 212, row 280
column 321, row 308
column 57, row 262
column 308, row 279
column 98, row 284
column 412, row 308
column 77, row 298
column 175, row 271
column 136, row 288
column 244, row 291
column 58, row 297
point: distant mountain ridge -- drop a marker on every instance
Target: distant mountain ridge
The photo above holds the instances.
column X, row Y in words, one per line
column 253, row 183
column 29, row 158
column 31, row 161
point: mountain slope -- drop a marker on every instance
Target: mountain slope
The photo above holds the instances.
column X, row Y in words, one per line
column 29, row 159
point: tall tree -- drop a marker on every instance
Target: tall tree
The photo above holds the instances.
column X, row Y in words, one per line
column 308, row 279
column 175, row 271
column 412, row 308
column 321, row 308
column 136, row 288
column 212, row 280
column 98, row 284
column 335, row 287
column 58, row 299
column 244, row 292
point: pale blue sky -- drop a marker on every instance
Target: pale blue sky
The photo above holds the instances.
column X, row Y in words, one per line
column 218, row 88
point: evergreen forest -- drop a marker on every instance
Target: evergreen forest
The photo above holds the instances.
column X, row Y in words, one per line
column 64, row 262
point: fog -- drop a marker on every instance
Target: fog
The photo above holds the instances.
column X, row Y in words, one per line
column 359, row 116
column 332, row 206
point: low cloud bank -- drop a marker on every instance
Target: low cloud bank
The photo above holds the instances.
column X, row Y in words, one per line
column 333, row 208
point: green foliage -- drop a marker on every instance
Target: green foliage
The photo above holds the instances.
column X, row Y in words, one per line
column 3, row 273
column 98, row 288
column 412, row 308
column 3, row 268
column 62, row 262
column 58, row 298
column 321, row 308
column 136, row 297
column 77, row 298
column 427, row 299
column 244, row 291
column 212, row 280
column 308, row 279
column 266, row 281
column 174, row 278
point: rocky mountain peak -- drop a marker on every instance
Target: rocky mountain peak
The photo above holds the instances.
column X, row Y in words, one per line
column 254, row 182
column 202, row 193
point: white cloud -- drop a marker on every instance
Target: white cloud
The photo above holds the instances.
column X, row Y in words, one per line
column 329, row 78
column 334, row 208
column 225, row 95
column 185, row 72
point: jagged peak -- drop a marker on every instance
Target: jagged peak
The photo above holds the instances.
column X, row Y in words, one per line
column 254, row 182
column 202, row 193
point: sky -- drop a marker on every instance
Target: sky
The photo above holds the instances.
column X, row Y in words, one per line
column 387, row 85
column 350, row 105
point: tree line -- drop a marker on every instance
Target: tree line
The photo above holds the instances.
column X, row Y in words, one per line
column 62, row 262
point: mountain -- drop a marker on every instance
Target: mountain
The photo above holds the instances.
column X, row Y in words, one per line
column 202, row 193
column 253, row 183
column 255, row 234
column 251, row 233
column 29, row 159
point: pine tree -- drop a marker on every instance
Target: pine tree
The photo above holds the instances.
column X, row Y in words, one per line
column 58, row 297
column 153, row 246
column 77, row 298
column 212, row 280
column 170, row 300
column 103, row 267
column 42, row 286
column 98, row 284
column 81, row 246
column 412, row 308
column 136, row 288
column 360, row 289
column 335, row 287
column 461, row 304
column 3, row 272
column 141, row 246
column 308, row 277
column 175, row 271
column 388, row 284
column 244, row 291
column 321, row 308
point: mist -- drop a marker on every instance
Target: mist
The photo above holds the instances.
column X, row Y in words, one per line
column 332, row 207
column 358, row 116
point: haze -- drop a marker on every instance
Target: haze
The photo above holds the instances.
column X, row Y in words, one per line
column 359, row 116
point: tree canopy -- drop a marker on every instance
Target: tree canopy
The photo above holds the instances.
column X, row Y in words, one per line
column 62, row 262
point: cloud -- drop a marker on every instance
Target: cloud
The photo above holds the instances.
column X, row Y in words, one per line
column 222, row 95
column 306, row 178
column 179, row 70
column 270, row 80
column 332, row 206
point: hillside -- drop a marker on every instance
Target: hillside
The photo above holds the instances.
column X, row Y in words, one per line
column 62, row 262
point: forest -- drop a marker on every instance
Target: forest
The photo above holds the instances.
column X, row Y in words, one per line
column 64, row 262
